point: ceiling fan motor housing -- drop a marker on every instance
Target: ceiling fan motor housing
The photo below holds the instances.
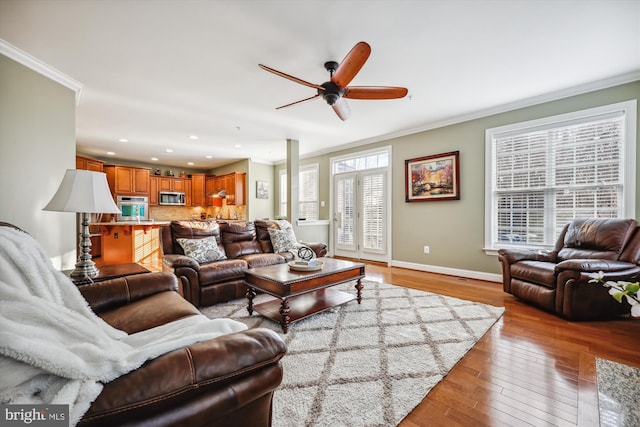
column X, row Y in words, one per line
column 331, row 93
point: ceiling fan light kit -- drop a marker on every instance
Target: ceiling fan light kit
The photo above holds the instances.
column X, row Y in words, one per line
column 336, row 89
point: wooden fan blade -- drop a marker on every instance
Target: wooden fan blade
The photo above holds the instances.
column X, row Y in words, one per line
column 342, row 109
column 287, row 76
column 351, row 64
column 298, row 102
column 375, row 92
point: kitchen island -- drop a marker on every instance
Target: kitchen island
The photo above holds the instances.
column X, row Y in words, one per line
column 131, row 241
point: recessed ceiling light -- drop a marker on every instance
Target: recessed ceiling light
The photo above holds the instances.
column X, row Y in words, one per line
column 155, row 159
column 190, row 163
column 168, row 150
column 111, row 153
column 193, row 136
column 123, row 140
column 209, row 157
column 237, row 146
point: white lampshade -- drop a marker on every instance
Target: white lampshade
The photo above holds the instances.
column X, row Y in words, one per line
column 83, row 191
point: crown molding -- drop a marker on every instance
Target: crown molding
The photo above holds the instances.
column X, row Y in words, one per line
column 523, row 103
column 12, row 52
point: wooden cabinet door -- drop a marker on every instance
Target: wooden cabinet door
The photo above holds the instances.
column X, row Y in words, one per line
column 178, row 185
column 140, row 183
column 187, row 192
column 165, row 184
column 197, row 189
column 89, row 164
column 153, row 190
column 124, row 180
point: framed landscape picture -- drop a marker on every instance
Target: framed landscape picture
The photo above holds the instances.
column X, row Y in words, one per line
column 432, row 178
column 262, row 190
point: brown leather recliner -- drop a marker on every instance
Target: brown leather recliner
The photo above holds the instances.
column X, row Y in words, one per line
column 559, row 280
column 246, row 244
column 224, row 381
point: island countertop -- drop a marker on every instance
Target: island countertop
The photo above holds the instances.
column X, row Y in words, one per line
column 134, row 223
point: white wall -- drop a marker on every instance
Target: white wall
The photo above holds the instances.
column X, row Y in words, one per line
column 37, row 145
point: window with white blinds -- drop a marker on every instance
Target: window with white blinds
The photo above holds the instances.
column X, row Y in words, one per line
column 543, row 174
column 308, row 183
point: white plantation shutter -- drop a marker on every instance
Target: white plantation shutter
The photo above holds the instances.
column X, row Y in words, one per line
column 546, row 175
column 373, row 221
column 345, row 206
column 308, row 183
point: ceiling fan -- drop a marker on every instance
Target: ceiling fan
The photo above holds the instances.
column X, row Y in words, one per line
column 336, row 89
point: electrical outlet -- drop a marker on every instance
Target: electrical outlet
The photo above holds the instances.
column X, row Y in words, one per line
column 426, row 249
column 115, row 235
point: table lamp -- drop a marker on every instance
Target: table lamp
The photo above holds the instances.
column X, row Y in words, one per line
column 83, row 192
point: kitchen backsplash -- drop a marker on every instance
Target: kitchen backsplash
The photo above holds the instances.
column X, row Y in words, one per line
column 168, row 213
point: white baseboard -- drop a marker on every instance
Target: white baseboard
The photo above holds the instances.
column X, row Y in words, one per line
column 479, row 275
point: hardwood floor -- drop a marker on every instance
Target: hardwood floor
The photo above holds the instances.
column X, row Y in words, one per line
column 531, row 368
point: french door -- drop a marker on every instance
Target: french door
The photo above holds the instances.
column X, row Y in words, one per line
column 361, row 214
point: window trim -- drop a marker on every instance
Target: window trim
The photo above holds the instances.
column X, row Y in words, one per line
column 303, row 168
column 629, row 109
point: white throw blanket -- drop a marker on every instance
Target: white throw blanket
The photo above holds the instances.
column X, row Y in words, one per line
column 54, row 349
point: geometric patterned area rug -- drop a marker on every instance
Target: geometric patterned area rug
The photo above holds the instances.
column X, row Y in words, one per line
column 367, row 364
column 618, row 391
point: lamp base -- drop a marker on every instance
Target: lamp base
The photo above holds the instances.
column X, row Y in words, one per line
column 85, row 267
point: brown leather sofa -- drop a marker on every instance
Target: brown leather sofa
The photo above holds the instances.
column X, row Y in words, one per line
column 246, row 244
column 558, row 281
column 226, row 381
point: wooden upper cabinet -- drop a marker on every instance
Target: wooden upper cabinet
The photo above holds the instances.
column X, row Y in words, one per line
column 89, row 164
column 233, row 183
column 153, row 190
column 168, row 183
column 198, row 189
column 127, row 181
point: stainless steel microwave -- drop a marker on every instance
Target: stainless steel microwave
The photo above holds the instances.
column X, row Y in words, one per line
column 171, row 198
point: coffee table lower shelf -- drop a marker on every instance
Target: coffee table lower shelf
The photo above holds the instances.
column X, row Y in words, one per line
column 302, row 306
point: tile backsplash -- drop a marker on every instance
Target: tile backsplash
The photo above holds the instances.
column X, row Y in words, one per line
column 168, row 213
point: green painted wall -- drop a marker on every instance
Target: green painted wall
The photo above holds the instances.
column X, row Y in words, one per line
column 454, row 230
column 37, row 145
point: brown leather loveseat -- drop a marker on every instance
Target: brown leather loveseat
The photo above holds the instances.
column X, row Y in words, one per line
column 559, row 280
column 226, row 381
column 244, row 244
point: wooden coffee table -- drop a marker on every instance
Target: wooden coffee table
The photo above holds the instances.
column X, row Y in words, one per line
column 302, row 293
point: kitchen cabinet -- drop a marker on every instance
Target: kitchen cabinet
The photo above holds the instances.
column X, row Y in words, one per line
column 153, row 190
column 187, row 192
column 198, row 189
column 127, row 180
column 168, row 183
column 233, row 183
column 89, row 164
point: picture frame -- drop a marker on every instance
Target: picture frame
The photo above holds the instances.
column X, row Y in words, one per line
column 433, row 178
column 262, row 190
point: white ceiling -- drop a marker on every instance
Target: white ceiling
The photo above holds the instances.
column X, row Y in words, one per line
column 155, row 72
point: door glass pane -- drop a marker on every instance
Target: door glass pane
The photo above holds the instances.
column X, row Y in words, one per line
column 345, row 195
column 373, row 212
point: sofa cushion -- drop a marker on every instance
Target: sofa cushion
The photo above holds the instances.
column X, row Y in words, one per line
column 192, row 230
column 221, row 271
column 202, row 250
column 239, row 238
column 283, row 240
column 596, row 238
column 262, row 260
column 539, row 272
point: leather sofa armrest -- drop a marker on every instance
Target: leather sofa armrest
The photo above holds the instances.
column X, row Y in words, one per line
column 174, row 261
column 231, row 371
column 511, row 256
column 319, row 248
column 587, row 265
column 109, row 294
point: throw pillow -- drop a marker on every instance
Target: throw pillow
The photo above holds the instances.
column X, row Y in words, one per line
column 202, row 250
column 283, row 240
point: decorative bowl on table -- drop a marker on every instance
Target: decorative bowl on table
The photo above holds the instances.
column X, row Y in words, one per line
column 305, row 265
